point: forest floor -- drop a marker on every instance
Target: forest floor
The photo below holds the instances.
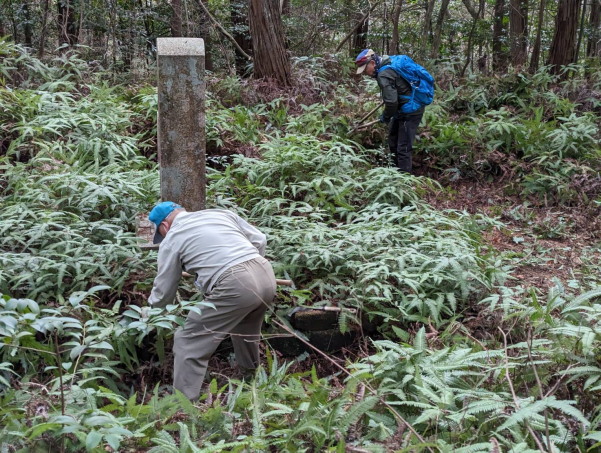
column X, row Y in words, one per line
column 544, row 244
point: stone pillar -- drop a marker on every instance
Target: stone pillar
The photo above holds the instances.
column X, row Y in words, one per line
column 181, row 121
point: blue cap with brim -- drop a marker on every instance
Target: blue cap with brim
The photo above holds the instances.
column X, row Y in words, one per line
column 160, row 213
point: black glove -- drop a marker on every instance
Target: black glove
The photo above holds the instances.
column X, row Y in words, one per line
column 384, row 119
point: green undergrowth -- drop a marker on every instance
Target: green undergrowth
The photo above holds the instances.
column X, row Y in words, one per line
column 456, row 393
column 463, row 363
column 354, row 235
column 535, row 132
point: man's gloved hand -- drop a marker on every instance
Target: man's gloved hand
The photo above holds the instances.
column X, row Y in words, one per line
column 384, row 119
column 145, row 313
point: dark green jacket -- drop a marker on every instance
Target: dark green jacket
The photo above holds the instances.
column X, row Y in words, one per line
column 392, row 86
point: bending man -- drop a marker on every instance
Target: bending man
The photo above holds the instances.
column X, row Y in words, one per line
column 226, row 255
column 396, row 91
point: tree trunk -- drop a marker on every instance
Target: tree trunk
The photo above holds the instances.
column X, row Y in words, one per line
column 67, row 24
column 127, row 47
column 27, row 25
column 427, row 26
column 534, row 60
column 518, row 31
column 437, row 40
column 593, row 48
column 471, row 9
column 385, row 30
column 176, row 18
column 205, row 34
column 396, row 14
column 149, row 33
column 270, row 57
column 358, row 24
column 360, row 37
column 581, row 31
column 470, row 41
column 14, row 22
column 499, row 50
column 563, row 46
column 285, row 7
column 240, row 31
column 112, row 46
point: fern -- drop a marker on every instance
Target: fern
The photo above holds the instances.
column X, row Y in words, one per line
column 578, row 301
column 357, row 411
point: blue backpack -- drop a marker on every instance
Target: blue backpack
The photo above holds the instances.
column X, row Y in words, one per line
column 422, row 83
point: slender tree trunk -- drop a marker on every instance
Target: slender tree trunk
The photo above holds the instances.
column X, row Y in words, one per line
column 240, row 31
column 563, row 46
column 176, row 18
column 396, row 14
column 111, row 42
column 471, row 9
column 437, row 40
column 518, row 31
column 270, row 57
column 80, row 22
column 149, row 34
column 499, row 52
column 360, row 37
column 186, row 21
column 63, row 35
column 285, row 8
column 127, row 42
column 27, row 25
column 67, row 24
column 385, row 34
column 581, row 31
column 427, row 26
column 205, row 34
column 358, row 24
column 470, row 41
column 593, row 48
column 13, row 22
column 535, row 58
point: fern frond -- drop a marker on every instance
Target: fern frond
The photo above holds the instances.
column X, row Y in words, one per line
column 581, row 299
column 353, row 415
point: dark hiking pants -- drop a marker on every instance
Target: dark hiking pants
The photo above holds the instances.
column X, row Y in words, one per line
column 401, row 135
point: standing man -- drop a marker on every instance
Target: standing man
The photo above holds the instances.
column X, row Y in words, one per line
column 402, row 113
column 226, row 256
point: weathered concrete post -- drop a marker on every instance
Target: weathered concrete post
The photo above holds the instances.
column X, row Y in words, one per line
column 181, row 121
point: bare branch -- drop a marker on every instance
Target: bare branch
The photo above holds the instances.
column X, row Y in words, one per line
column 356, row 26
column 224, row 31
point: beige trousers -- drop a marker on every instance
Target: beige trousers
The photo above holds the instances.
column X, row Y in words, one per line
column 241, row 297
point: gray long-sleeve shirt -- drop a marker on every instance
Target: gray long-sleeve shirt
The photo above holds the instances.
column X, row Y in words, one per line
column 205, row 244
